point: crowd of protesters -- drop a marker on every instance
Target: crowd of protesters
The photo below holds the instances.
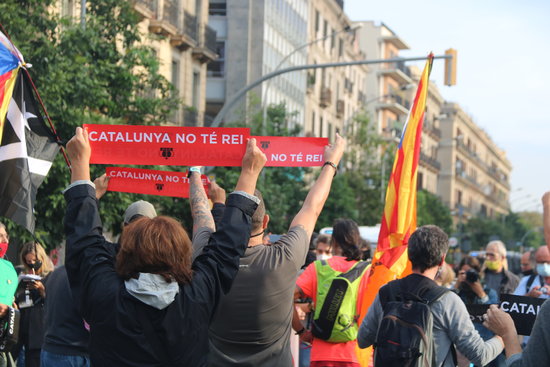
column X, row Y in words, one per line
column 229, row 295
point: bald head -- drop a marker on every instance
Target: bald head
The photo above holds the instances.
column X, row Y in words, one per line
column 542, row 255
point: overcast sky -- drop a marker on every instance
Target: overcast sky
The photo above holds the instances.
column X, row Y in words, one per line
column 503, row 77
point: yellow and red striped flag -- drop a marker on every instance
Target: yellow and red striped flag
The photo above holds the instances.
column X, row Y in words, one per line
column 399, row 218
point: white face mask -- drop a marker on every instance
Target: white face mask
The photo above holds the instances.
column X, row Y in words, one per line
column 543, row 270
column 323, row 257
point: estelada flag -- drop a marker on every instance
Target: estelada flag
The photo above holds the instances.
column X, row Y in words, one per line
column 399, row 218
column 27, row 149
column 9, row 67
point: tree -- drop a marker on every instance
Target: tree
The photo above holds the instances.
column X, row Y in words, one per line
column 100, row 74
column 431, row 210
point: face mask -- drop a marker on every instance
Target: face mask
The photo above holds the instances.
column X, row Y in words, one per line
column 543, row 270
column 323, row 257
column 3, row 249
column 493, row 265
column 527, row 272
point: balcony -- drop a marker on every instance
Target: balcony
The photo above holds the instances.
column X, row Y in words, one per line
column 146, row 8
column 326, row 97
column 167, row 25
column 430, row 129
column 430, row 161
column 340, row 108
column 393, row 103
column 190, row 26
column 206, row 50
column 398, row 72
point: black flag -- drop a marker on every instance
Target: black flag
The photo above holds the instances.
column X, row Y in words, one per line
column 27, row 150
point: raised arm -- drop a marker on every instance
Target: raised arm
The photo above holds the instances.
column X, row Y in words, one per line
column 200, row 208
column 218, row 197
column 318, row 194
column 546, row 217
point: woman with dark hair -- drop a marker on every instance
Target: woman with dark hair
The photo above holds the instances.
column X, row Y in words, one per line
column 151, row 306
column 30, row 297
column 346, row 246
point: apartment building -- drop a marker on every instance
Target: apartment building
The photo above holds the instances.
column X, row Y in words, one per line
column 334, row 95
column 429, row 165
column 386, row 97
column 475, row 174
column 177, row 30
column 183, row 42
column 254, row 38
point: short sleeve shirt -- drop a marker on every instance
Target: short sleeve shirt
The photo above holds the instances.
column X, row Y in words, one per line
column 252, row 325
column 322, row 350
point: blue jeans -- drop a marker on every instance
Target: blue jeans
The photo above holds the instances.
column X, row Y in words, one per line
column 305, row 351
column 48, row 359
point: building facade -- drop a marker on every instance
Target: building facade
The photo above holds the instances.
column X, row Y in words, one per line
column 178, row 32
column 334, row 95
column 475, row 174
column 254, row 38
column 386, row 97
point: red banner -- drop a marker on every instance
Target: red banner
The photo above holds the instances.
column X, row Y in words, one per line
column 150, row 182
column 284, row 151
column 167, row 145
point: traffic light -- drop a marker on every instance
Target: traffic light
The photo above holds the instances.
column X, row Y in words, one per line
column 450, row 67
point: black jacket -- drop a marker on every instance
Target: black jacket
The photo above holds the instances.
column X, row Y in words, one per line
column 127, row 332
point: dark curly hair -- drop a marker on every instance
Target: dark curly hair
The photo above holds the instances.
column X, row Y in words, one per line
column 345, row 234
column 427, row 245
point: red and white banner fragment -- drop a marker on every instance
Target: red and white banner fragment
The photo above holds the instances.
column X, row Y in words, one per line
column 167, row 145
column 288, row 151
column 150, row 182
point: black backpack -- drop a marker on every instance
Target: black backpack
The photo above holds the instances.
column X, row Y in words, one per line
column 404, row 337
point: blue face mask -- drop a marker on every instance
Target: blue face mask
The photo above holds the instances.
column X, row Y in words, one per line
column 543, row 270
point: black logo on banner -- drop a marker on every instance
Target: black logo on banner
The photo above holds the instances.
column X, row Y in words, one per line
column 160, row 186
column 523, row 310
column 265, row 144
column 166, row 152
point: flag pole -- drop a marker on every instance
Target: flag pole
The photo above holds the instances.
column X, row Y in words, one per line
column 57, row 138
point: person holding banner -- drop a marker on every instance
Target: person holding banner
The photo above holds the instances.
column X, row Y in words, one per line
column 252, row 326
column 149, row 305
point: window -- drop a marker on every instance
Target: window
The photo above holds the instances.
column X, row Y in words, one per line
column 458, row 197
column 67, row 8
column 317, row 21
column 217, row 8
column 216, row 68
column 313, row 123
column 196, row 89
column 320, row 127
column 340, row 47
column 419, row 179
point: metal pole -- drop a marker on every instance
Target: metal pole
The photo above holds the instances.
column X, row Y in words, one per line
column 230, row 103
column 299, row 48
column 83, row 14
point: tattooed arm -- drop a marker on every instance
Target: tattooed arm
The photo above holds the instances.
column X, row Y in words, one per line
column 200, row 208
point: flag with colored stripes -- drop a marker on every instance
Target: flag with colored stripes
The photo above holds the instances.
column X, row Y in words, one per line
column 9, row 67
column 399, row 218
column 27, row 150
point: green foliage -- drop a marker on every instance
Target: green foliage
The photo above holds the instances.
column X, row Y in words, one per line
column 431, row 210
column 100, row 74
column 283, row 188
column 510, row 229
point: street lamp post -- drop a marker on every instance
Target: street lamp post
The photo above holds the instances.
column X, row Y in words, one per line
column 288, row 56
column 230, row 103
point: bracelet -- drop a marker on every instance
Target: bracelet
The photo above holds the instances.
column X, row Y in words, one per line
column 193, row 169
column 329, row 163
column 300, row 332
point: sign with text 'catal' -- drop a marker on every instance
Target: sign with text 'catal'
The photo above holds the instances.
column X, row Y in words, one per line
column 150, row 182
column 282, row 151
column 523, row 310
column 166, row 145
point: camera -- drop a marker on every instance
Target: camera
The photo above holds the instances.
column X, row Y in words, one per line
column 544, row 290
column 472, row 276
